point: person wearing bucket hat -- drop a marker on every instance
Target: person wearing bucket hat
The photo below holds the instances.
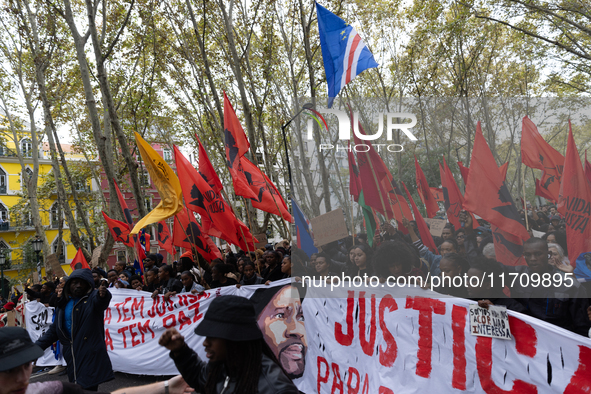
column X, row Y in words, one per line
column 17, row 353
column 239, row 358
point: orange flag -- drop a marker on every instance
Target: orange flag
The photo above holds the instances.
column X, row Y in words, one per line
column 574, row 202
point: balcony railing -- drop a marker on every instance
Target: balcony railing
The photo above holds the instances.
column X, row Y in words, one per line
column 3, row 189
column 5, row 226
column 5, row 152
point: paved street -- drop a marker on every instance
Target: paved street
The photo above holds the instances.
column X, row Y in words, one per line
column 121, row 380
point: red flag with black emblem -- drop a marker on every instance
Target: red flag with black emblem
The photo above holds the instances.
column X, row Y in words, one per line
column 574, row 202
column 126, row 212
column 164, row 237
column 537, row 153
column 354, row 182
column 217, row 217
column 426, row 237
column 236, row 147
column 540, row 191
column 486, row 192
column 452, row 196
column 465, row 170
column 508, row 247
column 206, row 169
column 437, row 194
column 119, row 230
column 79, row 261
column 425, row 192
column 187, row 232
column 267, row 197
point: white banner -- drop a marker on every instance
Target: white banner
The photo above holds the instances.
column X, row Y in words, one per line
column 38, row 318
column 379, row 343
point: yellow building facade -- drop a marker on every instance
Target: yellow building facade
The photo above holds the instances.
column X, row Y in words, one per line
column 16, row 227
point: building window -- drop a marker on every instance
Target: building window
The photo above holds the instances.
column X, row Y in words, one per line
column 27, row 148
column 55, row 216
column 121, row 255
column 3, row 213
column 80, row 186
column 148, row 203
column 3, row 181
column 167, row 155
column 5, row 249
column 62, row 256
column 26, row 176
column 145, row 178
column 27, row 219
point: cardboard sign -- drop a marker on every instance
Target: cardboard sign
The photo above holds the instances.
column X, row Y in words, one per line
column 262, row 238
column 492, row 322
column 96, row 253
column 54, row 263
column 436, row 226
column 329, row 227
column 538, row 234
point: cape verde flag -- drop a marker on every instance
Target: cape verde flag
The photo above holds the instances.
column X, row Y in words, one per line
column 305, row 241
column 344, row 53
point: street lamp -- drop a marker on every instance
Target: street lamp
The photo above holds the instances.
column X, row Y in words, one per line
column 4, row 265
column 283, row 127
column 37, row 246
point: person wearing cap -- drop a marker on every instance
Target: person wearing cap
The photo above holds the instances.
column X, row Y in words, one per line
column 79, row 326
column 238, row 355
column 17, row 353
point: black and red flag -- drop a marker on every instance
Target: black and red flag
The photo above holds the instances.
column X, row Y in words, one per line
column 587, row 168
column 79, row 261
column 187, row 232
column 119, row 230
column 426, row 236
column 453, row 199
column 574, row 202
column 508, row 247
column 425, row 192
column 437, row 193
column 537, row 153
column 206, row 169
column 215, row 213
column 465, row 170
column 124, row 207
column 164, row 237
column 236, row 147
column 540, row 191
column 268, row 198
column 486, row 192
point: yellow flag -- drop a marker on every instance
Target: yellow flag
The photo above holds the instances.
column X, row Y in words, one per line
column 165, row 180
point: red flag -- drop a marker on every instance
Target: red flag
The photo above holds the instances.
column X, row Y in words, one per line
column 164, row 237
column 354, row 182
column 126, row 212
column 187, row 232
column 372, row 172
column 486, row 192
column 398, row 201
column 574, row 202
column 540, row 191
column 437, row 193
column 454, row 201
column 508, row 247
column 503, row 170
column 426, row 237
column 119, row 230
column 79, row 261
column 463, row 171
column 537, row 153
column 216, row 216
column 587, row 168
column 425, row 192
column 267, row 197
column 207, row 171
column 236, row 146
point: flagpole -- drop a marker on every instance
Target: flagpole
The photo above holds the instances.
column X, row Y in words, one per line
column 250, row 224
column 524, row 203
column 352, row 220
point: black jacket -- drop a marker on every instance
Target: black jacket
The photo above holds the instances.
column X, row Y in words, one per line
column 85, row 353
column 195, row 371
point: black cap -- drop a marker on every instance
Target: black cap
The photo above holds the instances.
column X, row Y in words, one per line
column 16, row 348
column 230, row 317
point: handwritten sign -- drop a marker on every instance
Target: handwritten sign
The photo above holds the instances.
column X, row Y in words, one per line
column 492, row 322
column 54, row 263
column 96, row 253
column 329, row 227
column 436, row 226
